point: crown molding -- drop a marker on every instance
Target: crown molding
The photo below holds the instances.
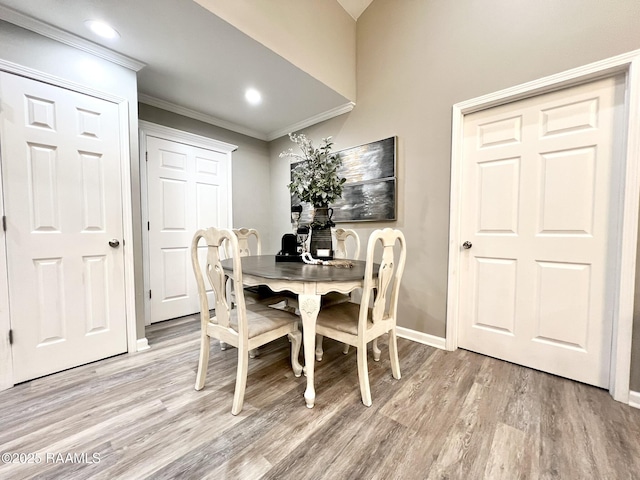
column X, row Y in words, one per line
column 218, row 122
column 67, row 38
column 203, row 117
column 321, row 117
column 23, row 71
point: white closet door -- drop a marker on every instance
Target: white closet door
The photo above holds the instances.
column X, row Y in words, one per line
column 540, row 212
column 62, row 193
column 187, row 190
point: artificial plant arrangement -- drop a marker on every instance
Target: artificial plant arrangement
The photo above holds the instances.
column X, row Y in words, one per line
column 315, row 178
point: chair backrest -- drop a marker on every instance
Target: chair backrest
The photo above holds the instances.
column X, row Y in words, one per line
column 244, row 235
column 218, row 240
column 387, row 284
column 341, row 235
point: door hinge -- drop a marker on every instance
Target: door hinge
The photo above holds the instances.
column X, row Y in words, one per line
column 148, row 226
column 10, row 337
column 4, row 223
column 146, row 156
column 149, row 294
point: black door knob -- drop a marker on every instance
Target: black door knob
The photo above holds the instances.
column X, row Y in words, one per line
column 467, row 245
column 114, row 243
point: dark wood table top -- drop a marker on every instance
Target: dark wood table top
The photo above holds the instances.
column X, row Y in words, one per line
column 265, row 266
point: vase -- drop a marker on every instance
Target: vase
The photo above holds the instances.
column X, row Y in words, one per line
column 321, row 245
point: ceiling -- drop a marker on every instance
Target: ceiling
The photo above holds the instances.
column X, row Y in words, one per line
column 355, row 7
column 195, row 63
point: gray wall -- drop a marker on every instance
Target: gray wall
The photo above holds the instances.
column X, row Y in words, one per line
column 416, row 58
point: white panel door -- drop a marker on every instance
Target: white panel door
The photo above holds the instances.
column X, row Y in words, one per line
column 540, row 213
column 187, row 190
column 62, row 192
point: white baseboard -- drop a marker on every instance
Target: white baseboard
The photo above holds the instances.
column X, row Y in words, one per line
column 142, row 344
column 424, row 338
column 439, row 342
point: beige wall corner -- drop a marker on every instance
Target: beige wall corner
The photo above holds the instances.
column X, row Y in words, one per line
column 415, row 61
column 317, row 37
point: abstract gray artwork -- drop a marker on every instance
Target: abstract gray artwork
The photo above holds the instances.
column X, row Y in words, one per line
column 370, row 190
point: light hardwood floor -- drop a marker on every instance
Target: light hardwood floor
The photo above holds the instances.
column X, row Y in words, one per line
column 453, row 415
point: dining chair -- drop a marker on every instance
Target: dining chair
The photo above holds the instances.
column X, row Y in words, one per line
column 245, row 242
column 341, row 250
column 248, row 237
column 244, row 237
column 358, row 325
column 247, row 326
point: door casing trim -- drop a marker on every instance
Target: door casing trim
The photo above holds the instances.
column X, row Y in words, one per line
column 629, row 65
column 147, row 129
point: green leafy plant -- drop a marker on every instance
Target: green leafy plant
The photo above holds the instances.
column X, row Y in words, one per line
column 315, row 178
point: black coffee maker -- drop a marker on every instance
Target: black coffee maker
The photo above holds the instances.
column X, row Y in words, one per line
column 293, row 245
column 289, row 251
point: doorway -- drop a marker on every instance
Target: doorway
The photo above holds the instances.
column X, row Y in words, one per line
column 539, row 213
column 187, row 186
column 64, row 236
column 550, row 274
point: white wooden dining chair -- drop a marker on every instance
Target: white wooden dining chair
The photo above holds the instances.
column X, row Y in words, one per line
column 249, row 243
column 245, row 327
column 244, row 236
column 341, row 250
column 358, row 325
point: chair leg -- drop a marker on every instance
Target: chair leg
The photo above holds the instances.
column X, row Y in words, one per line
column 253, row 353
column 363, row 375
column 203, row 362
column 223, row 346
column 319, row 351
column 296, row 342
column 241, row 381
column 393, row 354
column 376, row 350
column 290, row 308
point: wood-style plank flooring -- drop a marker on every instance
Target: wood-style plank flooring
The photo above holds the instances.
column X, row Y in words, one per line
column 453, row 415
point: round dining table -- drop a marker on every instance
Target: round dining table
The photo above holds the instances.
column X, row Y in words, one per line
column 309, row 282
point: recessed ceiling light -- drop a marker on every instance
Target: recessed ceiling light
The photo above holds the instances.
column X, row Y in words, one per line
column 253, row 96
column 102, row 29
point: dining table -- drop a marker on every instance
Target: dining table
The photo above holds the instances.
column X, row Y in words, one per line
column 309, row 283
